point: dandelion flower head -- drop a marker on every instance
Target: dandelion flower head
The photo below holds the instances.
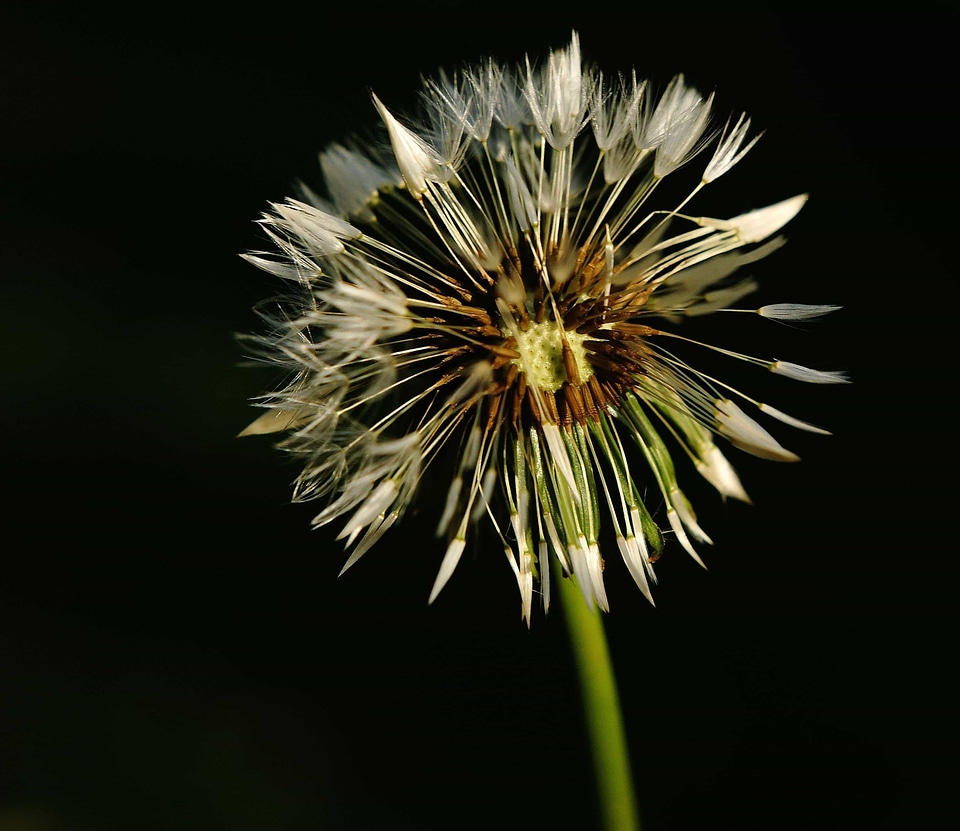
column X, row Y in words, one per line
column 495, row 291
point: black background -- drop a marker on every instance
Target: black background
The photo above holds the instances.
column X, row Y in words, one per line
column 175, row 649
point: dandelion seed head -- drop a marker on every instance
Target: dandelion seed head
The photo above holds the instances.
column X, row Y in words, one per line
column 498, row 299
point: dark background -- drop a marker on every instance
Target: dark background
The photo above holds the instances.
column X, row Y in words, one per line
column 175, row 649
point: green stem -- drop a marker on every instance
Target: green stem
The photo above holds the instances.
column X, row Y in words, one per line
column 601, row 704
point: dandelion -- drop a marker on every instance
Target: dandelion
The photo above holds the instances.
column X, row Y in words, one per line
column 496, row 292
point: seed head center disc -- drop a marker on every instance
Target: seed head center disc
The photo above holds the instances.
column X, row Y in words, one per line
column 541, row 348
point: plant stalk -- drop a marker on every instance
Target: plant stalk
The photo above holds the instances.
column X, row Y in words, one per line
column 601, row 705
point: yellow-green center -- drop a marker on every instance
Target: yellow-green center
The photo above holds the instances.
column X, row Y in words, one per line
column 541, row 348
